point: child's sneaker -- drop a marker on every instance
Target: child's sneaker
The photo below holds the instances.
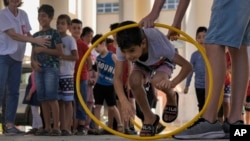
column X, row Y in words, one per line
column 202, row 129
column 130, row 132
column 13, row 131
column 81, row 130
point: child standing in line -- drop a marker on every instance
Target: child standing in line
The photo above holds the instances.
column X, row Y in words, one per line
column 31, row 99
column 86, row 36
column 104, row 87
column 80, row 115
column 199, row 69
column 45, row 62
column 66, row 80
column 154, row 60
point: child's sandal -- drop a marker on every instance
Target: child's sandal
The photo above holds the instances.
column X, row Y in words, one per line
column 120, row 128
column 150, row 129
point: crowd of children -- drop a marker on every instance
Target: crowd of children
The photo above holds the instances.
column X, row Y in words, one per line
column 144, row 54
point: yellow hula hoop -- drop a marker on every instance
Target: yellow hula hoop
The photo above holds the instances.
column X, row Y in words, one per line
column 168, row 135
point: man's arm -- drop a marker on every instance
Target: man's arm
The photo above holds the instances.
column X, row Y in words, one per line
column 149, row 20
column 19, row 37
column 180, row 12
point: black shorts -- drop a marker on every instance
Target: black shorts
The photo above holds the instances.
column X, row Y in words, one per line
column 106, row 93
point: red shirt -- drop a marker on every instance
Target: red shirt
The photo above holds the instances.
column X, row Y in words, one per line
column 82, row 49
column 111, row 48
column 125, row 72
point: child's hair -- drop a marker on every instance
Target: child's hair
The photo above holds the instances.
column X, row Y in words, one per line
column 201, row 29
column 113, row 26
column 129, row 37
column 6, row 3
column 86, row 30
column 48, row 9
column 109, row 40
column 66, row 17
column 96, row 37
column 76, row 21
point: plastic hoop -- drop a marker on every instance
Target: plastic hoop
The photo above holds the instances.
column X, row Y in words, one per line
column 168, row 135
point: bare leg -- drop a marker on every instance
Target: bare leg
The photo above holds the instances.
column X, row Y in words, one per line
column 68, row 115
column 46, row 115
column 217, row 58
column 62, row 115
column 55, row 113
column 240, row 72
column 97, row 113
column 136, row 81
column 115, row 113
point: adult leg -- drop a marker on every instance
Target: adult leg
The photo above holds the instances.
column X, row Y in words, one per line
column 216, row 56
column 239, row 84
column 13, row 92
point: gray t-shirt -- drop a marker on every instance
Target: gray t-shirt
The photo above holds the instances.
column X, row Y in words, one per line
column 159, row 47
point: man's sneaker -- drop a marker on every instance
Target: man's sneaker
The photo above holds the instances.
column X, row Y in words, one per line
column 13, row 131
column 202, row 129
column 226, row 127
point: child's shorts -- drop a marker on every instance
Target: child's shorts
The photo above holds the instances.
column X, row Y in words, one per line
column 66, row 88
column 47, row 84
column 150, row 72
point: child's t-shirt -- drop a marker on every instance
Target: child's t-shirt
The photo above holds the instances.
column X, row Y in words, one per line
column 68, row 67
column 46, row 60
column 159, row 47
column 82, row 48
column 106, row 68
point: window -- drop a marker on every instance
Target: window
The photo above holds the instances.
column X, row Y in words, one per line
column 107, row 8
column 170, row 5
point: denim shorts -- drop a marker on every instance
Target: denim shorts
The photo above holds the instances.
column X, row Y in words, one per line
column 229, row 23
column 47, row 82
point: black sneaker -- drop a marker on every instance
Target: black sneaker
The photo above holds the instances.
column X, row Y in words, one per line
column 13, row 131
column 226, row 127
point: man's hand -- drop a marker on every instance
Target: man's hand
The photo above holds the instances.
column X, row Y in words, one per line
column 148, row 21
column 173, row 35
column 44, row 42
